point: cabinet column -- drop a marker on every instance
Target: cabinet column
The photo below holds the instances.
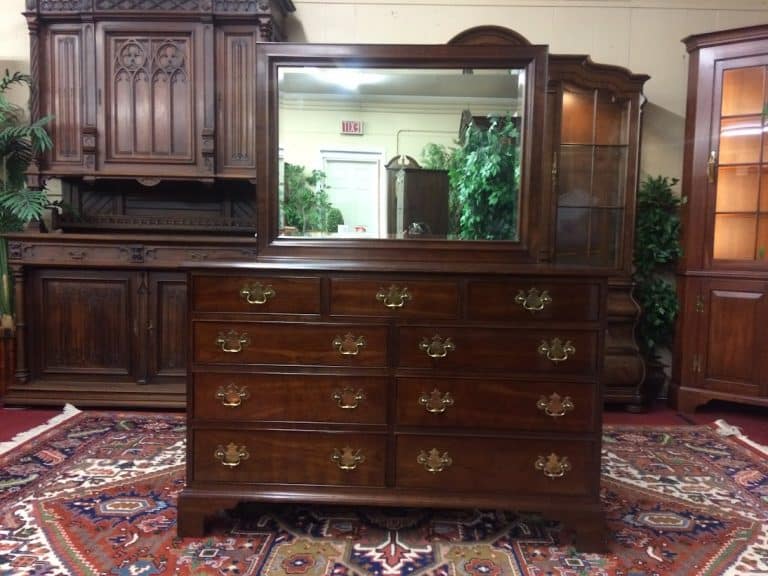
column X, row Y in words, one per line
column 22, row 370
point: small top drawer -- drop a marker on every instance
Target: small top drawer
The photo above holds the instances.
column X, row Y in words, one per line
column 256, row 294
column 528, row 299
column 438, row 299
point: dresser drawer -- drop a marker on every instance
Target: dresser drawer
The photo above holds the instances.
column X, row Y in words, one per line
column 498, row 349
column 496, row 404
column 495, row 465
column 529, row 300
column 402, row 299
column 290, row 398
column 289, row 343
column 288, row 457
column 256, row 294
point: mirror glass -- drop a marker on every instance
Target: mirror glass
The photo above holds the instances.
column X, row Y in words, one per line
column 400, row 153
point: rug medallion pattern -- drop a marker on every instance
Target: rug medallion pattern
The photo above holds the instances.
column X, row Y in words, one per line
column 96, row 495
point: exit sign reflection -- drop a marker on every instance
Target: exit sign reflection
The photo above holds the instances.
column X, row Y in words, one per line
column 351, row 127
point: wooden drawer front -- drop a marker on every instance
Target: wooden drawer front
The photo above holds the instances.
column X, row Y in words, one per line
column 406, row 298
column 288, row 457
column 291, row 398
column 287, row 343
column 496, row 349
column 492, row 465
column 567, row 302
column 496, row 404
column 256, row 294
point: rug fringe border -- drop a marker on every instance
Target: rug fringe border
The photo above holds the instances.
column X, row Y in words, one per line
column 725, row 429
column 68, row 412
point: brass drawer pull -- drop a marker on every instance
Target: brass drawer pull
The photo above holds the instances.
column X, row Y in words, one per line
column 553, row 466
column 435, row 402
column 231, row 455
column 433, row 461
column 349, row 345
column 556, row 350
column 437, row 347
column 347, row 458
column 555, row 406
column 348, row 399
column 394, row 296
column 232, row 395
column 534, row 301
column 232, row 341
column 257, row 293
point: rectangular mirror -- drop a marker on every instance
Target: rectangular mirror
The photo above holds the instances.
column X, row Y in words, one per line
column 401, row 143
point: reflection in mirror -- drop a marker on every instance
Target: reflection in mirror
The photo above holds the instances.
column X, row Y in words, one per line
column 400, row 153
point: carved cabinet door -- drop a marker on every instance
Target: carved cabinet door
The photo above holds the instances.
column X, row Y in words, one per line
column 156, row 110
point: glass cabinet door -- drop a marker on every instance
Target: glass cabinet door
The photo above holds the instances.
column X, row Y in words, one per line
column 740, row 173
column 590, row 176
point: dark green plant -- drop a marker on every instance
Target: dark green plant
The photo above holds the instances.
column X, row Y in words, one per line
column 306, row 205
column 335, row 218
column 484, row 176
column 21, row 142
column 657, row 248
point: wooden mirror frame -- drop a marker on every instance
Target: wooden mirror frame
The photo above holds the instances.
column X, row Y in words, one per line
column 533, row 208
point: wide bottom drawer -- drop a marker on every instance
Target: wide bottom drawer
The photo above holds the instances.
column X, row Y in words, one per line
column 289, row 457
column 533, row 466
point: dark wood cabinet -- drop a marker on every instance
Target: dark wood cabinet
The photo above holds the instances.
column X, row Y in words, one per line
column 417, row 200
column 721, row 350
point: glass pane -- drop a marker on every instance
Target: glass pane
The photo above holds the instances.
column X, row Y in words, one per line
column 572, row 234
column 762, row 237
column 575, row 176
column 610, row 176
column 734, row 237
column 737, row 188
column 605, row 237
column 577, row 117
column 764, row 189
column 740, row 140
column 612, row 124
column 743, row 91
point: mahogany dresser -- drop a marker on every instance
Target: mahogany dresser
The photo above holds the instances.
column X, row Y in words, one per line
column 316, row 383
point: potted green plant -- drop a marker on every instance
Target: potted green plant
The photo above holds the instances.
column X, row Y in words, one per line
column 656, row 250
column 307, row 207
column 21, row 142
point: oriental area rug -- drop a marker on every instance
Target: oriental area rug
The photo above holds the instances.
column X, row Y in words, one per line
column 95, row 494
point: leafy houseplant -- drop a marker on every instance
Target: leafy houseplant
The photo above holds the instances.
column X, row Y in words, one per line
column 657, row 248
column 21, row 141
column 306, row 205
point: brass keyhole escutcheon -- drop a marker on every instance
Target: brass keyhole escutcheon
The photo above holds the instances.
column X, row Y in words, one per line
column 553, row 466
column 231, row 455
column 557, row 350
column 394, row 296
column 433, row 461
column 435, row 402
column 257, row 293
column 233, row 341
column 232, row 395
column 348, row 398
column 347, row 458
column 437, row 347
column 533, row 301
column 555, row 405
column 349, row 345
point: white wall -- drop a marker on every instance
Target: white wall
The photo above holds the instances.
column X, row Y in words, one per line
column 643, row 35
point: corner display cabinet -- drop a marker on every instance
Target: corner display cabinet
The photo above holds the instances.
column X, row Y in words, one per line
column 355, row 364
column 723, row 279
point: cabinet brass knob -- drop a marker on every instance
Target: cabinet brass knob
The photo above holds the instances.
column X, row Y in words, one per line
column 347, row 458
column 433, row 461
column 555, row 406
column 534, row 301
column 232, row 395
column 437, row 347
column 349, row 345
column 348, row 398
column 232, row 341
column 257, row 293
column 231, row 455
column 435, row 402
column 394, row 296
column 553, row 466
column 556, row 350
